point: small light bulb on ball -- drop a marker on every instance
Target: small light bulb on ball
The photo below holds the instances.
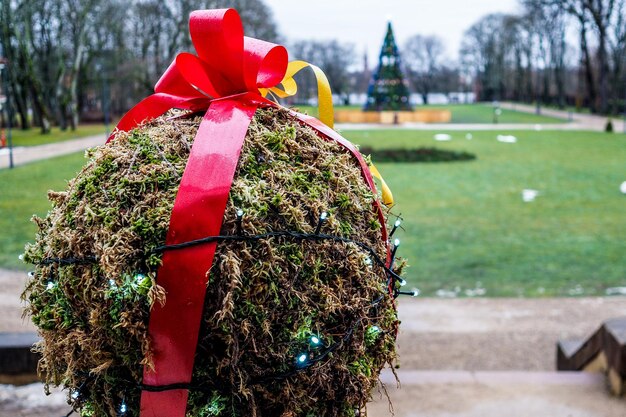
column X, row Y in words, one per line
column 302, row 359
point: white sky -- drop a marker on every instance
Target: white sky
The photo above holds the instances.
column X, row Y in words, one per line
column 363, row 22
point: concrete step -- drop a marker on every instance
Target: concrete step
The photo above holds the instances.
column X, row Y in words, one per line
column 497, row 394
column 18, row 364
column 425, row 393
column 603, row 351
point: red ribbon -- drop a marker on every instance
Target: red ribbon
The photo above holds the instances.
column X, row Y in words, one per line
column 223, row 79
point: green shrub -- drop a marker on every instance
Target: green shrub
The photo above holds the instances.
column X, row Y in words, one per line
column 416, row 155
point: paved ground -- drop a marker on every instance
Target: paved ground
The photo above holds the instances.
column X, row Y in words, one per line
column 425, row 394
column 11, row 285
column 25, row 154
column 579, row 120
column 499, row 394
column 478, row 357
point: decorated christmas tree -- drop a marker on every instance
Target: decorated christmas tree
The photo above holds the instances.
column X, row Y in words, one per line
column 388, row 90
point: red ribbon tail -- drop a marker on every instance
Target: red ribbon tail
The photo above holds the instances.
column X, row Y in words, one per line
column 148, row 108
column 198, row 212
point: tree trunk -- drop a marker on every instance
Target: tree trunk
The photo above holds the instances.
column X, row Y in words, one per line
column 603, row 72
column 74, row 117
column 528, row 90
column 19, row 98
column 559, row 71
column 591, row 84
column 23, row 114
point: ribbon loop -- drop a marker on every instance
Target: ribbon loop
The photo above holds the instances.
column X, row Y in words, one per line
column 172, row 82
column 196, row 73
column 324, row 94
column 217, row 36
column 264, row 64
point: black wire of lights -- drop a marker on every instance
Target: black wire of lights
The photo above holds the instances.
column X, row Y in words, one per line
column 241, row 236
column 303, row 360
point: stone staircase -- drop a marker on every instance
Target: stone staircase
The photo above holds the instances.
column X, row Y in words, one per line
column 18, row 364
column 604, row 351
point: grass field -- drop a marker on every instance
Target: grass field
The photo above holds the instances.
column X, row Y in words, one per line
column 34, row 137
column 469, row 113
column 483, row 113
column 465, row 223
column 467, row 227
column 22, row 194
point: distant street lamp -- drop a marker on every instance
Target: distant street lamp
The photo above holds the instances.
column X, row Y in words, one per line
column 4, row 74
column 497, row 112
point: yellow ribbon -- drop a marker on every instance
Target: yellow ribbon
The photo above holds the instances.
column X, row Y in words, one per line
column 325, row 105
column 387, row 195
column 324, row 94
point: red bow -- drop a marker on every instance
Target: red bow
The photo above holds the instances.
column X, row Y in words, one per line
column 223, row 79
column 228, row 64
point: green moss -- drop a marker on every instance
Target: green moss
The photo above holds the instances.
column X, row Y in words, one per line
column 265, row 299
column 372, row 335
column 361, row 367
column 215, row 406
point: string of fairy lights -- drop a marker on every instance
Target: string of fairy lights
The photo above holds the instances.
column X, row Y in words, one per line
column 318, row 348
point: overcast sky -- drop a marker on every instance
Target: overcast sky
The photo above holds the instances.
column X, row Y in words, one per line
column 363, row 22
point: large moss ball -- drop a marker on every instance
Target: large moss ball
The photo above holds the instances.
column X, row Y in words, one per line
column 268, row 302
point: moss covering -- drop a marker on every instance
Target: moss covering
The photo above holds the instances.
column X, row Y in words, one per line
column 265, row 299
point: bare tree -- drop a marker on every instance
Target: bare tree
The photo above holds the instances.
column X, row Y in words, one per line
column 617, row 44
column 68, row 49
column 601, row 12
column 482, row 49
column 598, row 15
column 423, row 56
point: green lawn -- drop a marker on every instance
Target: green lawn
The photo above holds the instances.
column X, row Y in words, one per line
column 484, row 113
column 469, row 113
column 465, row 222
column 23, row 193
column 34, row 137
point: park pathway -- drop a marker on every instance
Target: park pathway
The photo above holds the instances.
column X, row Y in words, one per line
column 582, row 121
column 25, row 154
